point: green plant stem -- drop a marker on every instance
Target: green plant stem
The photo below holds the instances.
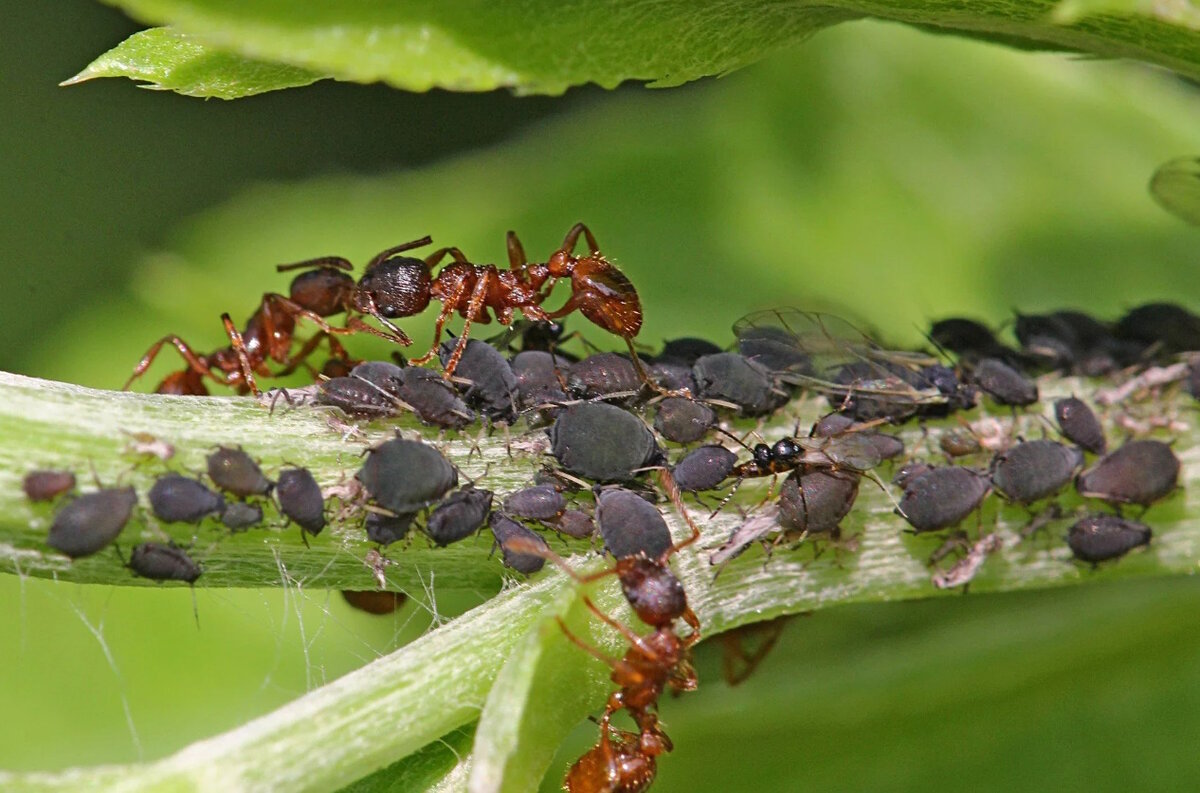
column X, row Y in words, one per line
column 398, row 704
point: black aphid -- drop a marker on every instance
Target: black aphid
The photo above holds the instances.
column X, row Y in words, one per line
column 909, row 472
column 235, row 472
column 1079, row 425
column 817, row 500
column 576, row 523
column 968, row 339
column 87, row 524
column 540, row 378
column 1033, row 470
column 672, row 376
column 459, row 516
column 1167, row 324
column 602, row 442
column 774, row 348
column 387, row 529
column 1140, row 472
column 505, row 530
column 602, row 374
column 942, row 497
column 240, row 515
column 631, row 525
column 1003, row 383
column 1098, row 538
column 406, row 476
column 488, row 380
column 385, row 375
column 433, row 400
column 733, row 378
column 686, row 350
column 357, row 397
column 176, row 498
column 683, row 420
column 835, row 424
column 163, row 563
column 703, row 468
column 540, row 502
column 958, row 443
column 300, row 499
column 47, row 485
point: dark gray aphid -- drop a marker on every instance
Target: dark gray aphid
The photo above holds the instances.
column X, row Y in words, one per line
column 406, row 476
column 387, row 529
column 540, row 502
column 235, row 472
column 602, row 442
column 942, row 497
column 909, row 472
column 630, row 525
column 1098, row 538
column 703, row 468
column 387, row 376
column 968, row 338
column 1033, row 470
column 774, row 348
column 540, row 378
column 87, row 524
column 1078, row 424
column 163, row 563
column 575, row 523
column 602, row 374
column 686, row 350
column 730, row 377
column 433, row 400
column 958, row 443
column 1140, row 472
column 47, row 485
column 817, row 500
column 1168, row 324
column 240, row 515
column 1003, row 383
column 179, row 499
column 300, row 499
column 672, row 376
column 459, row 516
column 490, row 384
column 683, row 420
column 356, row 397
column 505, row 530
column 835, row 424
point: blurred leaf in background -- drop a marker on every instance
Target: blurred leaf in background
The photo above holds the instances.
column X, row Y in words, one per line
column 887, row 174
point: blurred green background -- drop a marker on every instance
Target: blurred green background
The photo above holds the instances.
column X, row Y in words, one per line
column 888, row 175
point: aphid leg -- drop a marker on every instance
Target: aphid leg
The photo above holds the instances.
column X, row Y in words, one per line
column 239, row 347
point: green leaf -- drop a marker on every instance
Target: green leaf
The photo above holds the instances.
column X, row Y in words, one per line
column 171, row 61
column 542, row 46
column 441, row 766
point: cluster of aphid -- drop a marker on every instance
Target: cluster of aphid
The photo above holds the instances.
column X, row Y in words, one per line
column 593, row 413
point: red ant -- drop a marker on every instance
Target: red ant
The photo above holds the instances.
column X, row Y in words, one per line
column 652, row 663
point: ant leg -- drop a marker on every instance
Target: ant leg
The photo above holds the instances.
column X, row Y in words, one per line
column 321, row 261
column 388, row 253
column 434, row 258
column 356, row 325
column 668, row 484
column 608, row 659
column 572, row 238
column 239, row 347
column 445, row 314
column 635, row 640
column 293, row 362
column 194, row 361
column 476, row 302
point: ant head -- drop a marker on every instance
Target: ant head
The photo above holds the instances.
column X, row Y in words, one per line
column 396, row 287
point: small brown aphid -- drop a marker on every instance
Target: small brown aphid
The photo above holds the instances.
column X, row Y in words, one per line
column 235, row 472
column 1079, row 425
column 373, row 601
column 1140, row 472
column 47, row 485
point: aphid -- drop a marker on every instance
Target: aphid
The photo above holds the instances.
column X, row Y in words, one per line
column 163, row 563
column 1079, row 425
column 909, row 472
column 576, row 523
column 1172, row 326
column 836, row 424
column 235, row 472
column 406, row 476
column 730, row 377
column 540, row 378
column 686, row 350
column 490, row 384
column 683, row 420
column 1003, row 383
column 968, row 339
column 300, row 499
column 433, row 400
column 958, row 443
column 604, row 374
column 942, row 497
column 357, row 397
column 540, row 502
column 676, row 378
column 1033, row 470
column 602, row 442
column 505, row 530
column 630, row 525
column 703, row 468
column 387, row 376
column 534, row 336
column 1098, row 538
column 1140, row 472
column 374, row 601
column 240, row 515
column 617, row 764
column 176, row 498
column 459, row 516
column 47, row 485
column 90, row 522
column 774, row 348
column 387, row 529
column 816, row 500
